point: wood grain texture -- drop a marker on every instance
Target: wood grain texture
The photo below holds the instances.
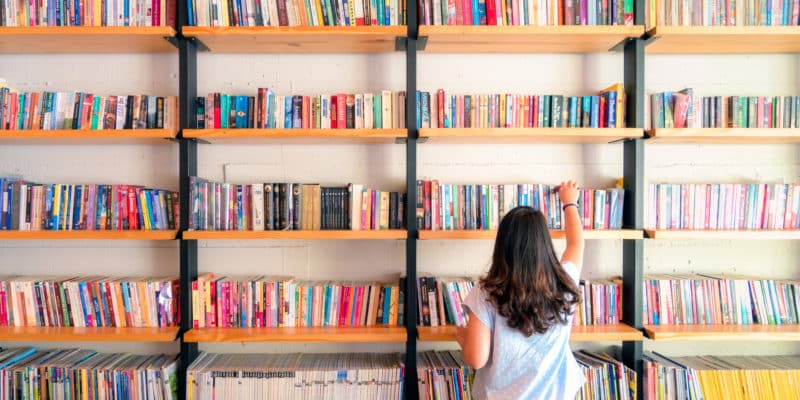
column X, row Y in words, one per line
column 526, row 39
column 585, row 333
column 589, row 234
column 86, row 39
column 724, row 39
column 82, row 137
column 389, row 234
column 724, row 332
column 298, row 39
column 527, row 135
column 360, row 334
column 64, row 334
column 722, row 234
column 88, row 235
column 723, row 135
column 296, row 136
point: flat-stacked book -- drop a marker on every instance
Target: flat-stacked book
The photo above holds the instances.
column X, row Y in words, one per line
column 442, row 206
column 443, row 375
column 82, row 111
column 88, row 13
column 380, row 110
column 75, row 373
column 721, row 377
column 447, row 110
column 685, row 109
column 723, row 13
column 681, row 299
column 264, row 301
column 440, row 301
column 749, row 206
column 297, row 12
column 296, row 376
column 526, row 12
column 29, row 206
column 222, row 206
column 89, row 301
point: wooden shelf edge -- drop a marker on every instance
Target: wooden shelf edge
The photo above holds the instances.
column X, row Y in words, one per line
column 61, row 136
column 393, row 234
column 723, row 332
column 197, row 31
column 68, row 334
column 88, row 235
column 723, row 135
column 589, row 234
column 299, row 135
column 88, row 30
column 722, row 30
column 373, row 334
column 531, row 135
column 686, row 234
column 630, row 30
column 580, row 333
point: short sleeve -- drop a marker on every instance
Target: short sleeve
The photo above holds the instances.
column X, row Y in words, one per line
column 572, row 271
column 476, row 302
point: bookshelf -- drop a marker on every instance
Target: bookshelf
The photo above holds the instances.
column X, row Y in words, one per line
column 722, row 234
column 87, row 39
column 389, row 234
column 581, row 333
column 86, row 334
column 527, row 135
column 296, row 136
column 361, row 334
column 84, row 137
column 88, row 235
column 723, row 332
column 723, row 39
column 589, row 234
column 723, row 136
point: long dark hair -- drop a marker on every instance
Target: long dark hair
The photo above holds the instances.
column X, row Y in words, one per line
column 526, row 282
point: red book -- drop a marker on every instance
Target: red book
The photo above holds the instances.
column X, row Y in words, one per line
column 602, row 120
column 217, row 111
column 306, row 112
column 344, row 305
column 86, row 111
column 170, row 16
column 333, row 112
column 491, row 13
column 459, row 12
column 341, row 111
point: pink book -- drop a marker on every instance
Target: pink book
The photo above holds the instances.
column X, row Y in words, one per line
column 706, row 221
column 467, row 8
column 435, row 212
column 366, row 200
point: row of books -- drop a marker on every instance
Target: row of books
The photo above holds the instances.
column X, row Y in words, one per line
column 89, row 301
column 88, row 13
column 721, row 377
column 722, row 206
column 381, row 110
column 293, row 206
column 442, row 206
column 526, row 12
column 29, row 206
column 76, row 373
column 78, row 110
column 445, row 110
column 296, row 12
column 719, row 299
column 269, row 301
column 723, row 13
column 443, row 375
column 684, row 109
column 296, row 376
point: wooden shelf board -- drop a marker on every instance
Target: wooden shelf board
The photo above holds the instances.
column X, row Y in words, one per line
column 724, row 332
column 298, row 39
column 86, row 39
column 101, row 136
column 88, row 235
column 584, row 333
column 527, row 135
column 723, row 234
column 723, row 135
column 64, row 334
column 525, row 39
column 589, row 234
column 374, row 334
column 724, row 39
column 388, row 234
column 296, row 136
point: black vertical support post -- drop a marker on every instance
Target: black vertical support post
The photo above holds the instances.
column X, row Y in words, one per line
column 187, row 68
column 411, row 388
column 633, row 216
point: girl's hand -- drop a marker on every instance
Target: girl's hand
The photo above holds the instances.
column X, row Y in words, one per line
column 568, row 192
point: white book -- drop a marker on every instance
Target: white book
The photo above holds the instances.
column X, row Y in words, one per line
column 257, row 206
column 355, row 206
column 280, row 114
column 325, row 111
column 386, row 104
column 359, row 10
column 272, row 8
column 368, row 116
column 122, row 102
column 437, row 12
column 359, row 110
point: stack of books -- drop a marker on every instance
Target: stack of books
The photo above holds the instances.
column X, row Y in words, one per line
column 381, row 110
column 721, row 377
column 218, row 206
column 262, row 301
column 80, row 110
column 526, row 12
column 296, row 376
column 297, row 12
column 89, row 301
column 749, row 206
column 606, row 378
column 446, row 110
column 442, row 206
column 723, row 13
column 88, row 13
column 56, row 374
column 685, row 109
column 719, row 299
column 30, row 206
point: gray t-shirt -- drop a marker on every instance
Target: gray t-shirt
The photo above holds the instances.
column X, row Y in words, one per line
column 537, row 367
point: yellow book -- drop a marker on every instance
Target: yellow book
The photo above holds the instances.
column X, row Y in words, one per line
column 224, row 16
column 318, row 9
column 394, row 307
column 123, row 321
column 97, row 18
column 145, row 210
column 502, row 122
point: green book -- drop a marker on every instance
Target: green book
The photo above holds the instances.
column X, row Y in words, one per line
column 377, row 114
column 95, row 111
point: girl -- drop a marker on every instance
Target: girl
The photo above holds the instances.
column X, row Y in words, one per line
column 520, row 315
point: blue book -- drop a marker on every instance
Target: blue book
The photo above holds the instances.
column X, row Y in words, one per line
column 476, row 18
column 287, row 115
column 76, row 208
column 224, row 112
column 573, row 113
column 387, row 13
column 297, row 112
column 345, row 12
column 104, row 303
column 241, row 111
column 453, row 112
column 419, row 109
column 150, row 214
column 190, row 12
column 326, row 305
column 611, row 103
column 271, row 107
column 239, row 209
column 242, row 17
column 468, row 208
column 586, row 111
column 387, row 303
column 595, row 113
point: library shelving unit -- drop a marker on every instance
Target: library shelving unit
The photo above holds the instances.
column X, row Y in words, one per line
column 86, row 334
column 88, row 235
column 722, row 234
column 581, row 333
column 296, row 136
column 723, row 39
column 589, row 234
column 387, row 234
column 527, row 135
column 723, row 135
column 80, row 137
column 374, row 334
column 723, row 332
column 87, row 39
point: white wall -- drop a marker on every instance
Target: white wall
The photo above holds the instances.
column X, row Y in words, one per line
column 383, row 166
